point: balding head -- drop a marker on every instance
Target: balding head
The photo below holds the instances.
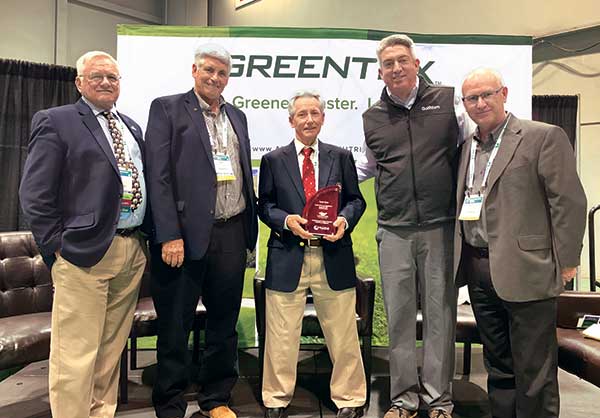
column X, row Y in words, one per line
column 484, row 95
column 484, row 73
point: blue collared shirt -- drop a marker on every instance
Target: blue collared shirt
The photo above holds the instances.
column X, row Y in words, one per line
column 133, row 149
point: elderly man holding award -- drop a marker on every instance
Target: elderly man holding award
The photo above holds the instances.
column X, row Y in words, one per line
column 309, row 197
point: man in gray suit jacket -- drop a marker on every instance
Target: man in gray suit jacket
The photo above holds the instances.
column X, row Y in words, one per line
column 518, row 238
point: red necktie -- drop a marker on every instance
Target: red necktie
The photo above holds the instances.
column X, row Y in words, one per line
column 308, row 174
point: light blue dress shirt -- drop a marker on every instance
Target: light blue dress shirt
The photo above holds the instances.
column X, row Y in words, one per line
column 137, row 216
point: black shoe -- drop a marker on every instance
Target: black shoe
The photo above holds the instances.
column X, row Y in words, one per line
column 274, row 412
column 350, row 412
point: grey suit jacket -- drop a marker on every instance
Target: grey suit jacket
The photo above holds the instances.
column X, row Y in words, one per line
column 535, row 211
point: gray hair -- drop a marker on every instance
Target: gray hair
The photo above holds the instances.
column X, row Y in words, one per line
column 305, row 93
column 215, row 51
column 396, row 39
column 82, row 60
column 484, row 71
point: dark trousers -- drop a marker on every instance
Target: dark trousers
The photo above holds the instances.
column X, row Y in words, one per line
column 519, row 346
column 219, row 279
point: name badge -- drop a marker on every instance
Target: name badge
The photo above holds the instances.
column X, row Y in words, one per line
column 127, row 180
column 125, row 206
column 471, row 208
column 223, row 167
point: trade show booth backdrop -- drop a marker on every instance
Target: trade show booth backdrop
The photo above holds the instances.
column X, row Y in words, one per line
column 270, row 64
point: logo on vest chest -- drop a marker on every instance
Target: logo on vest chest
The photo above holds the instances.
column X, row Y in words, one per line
column 431, row 107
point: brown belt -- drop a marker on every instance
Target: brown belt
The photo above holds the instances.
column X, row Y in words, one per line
column 315, row 242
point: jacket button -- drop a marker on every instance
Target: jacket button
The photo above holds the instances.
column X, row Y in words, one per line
column 302, row 244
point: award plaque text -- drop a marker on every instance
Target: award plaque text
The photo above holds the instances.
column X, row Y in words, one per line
column 321, row 210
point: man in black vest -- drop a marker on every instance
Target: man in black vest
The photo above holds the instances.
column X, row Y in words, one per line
column 412, row 135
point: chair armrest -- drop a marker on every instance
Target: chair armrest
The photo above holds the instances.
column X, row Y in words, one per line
column 259, row 305
column 573, row 305
column 365, row 302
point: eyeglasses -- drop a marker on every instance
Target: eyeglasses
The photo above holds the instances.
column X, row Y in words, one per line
column 96, row 78
column 474, row 98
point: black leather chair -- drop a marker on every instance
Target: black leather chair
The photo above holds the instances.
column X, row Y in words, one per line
column 576, row 354
column 365, row 301
column 26, row 309
column 25, row 301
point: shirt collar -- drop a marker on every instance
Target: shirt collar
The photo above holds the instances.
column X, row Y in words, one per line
column 97, row 110
column 300, row 146
column 205, row 106
column 493, row 136
column 410, row 100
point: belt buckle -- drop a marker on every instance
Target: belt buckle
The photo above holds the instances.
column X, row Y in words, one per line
column 308, row 242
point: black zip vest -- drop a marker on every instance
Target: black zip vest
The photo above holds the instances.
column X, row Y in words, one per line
column 416, row 151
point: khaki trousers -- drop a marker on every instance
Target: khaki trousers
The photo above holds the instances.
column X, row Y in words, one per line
column 336, row 313
column 91, row 320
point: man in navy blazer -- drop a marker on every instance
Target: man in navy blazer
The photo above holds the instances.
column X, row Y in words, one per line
column 201, row 186
column 84, row 196
column 298, row 261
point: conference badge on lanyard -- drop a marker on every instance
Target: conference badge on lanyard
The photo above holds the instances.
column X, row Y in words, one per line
column 222, row 161
column 471, row 208
column 127, row 197
column 223, row 167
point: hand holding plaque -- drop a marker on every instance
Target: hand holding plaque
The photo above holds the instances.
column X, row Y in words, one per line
column 321, row 210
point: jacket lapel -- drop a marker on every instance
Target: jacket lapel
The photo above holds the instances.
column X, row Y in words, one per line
column 135, row 132
column 137, row 135
column 462, row 173
column 510, row 141
column 291, row 166
column 193, row 108
column 325, row 164
column 91, row 122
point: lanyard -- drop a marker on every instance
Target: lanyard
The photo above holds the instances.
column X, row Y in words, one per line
column 488, row 166
column 224, row 133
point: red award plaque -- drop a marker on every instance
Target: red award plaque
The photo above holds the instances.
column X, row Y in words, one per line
column 321, row 210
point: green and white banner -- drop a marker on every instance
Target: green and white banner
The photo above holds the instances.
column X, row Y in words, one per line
column 270, row 64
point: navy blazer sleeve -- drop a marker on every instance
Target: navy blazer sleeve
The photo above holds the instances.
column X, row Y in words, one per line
column 160, row 174
column 39, row 190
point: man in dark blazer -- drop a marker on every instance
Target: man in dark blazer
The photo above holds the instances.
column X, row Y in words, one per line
column 200, row 181
column 84, row 196
column 298, row 261
column 518, row 238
